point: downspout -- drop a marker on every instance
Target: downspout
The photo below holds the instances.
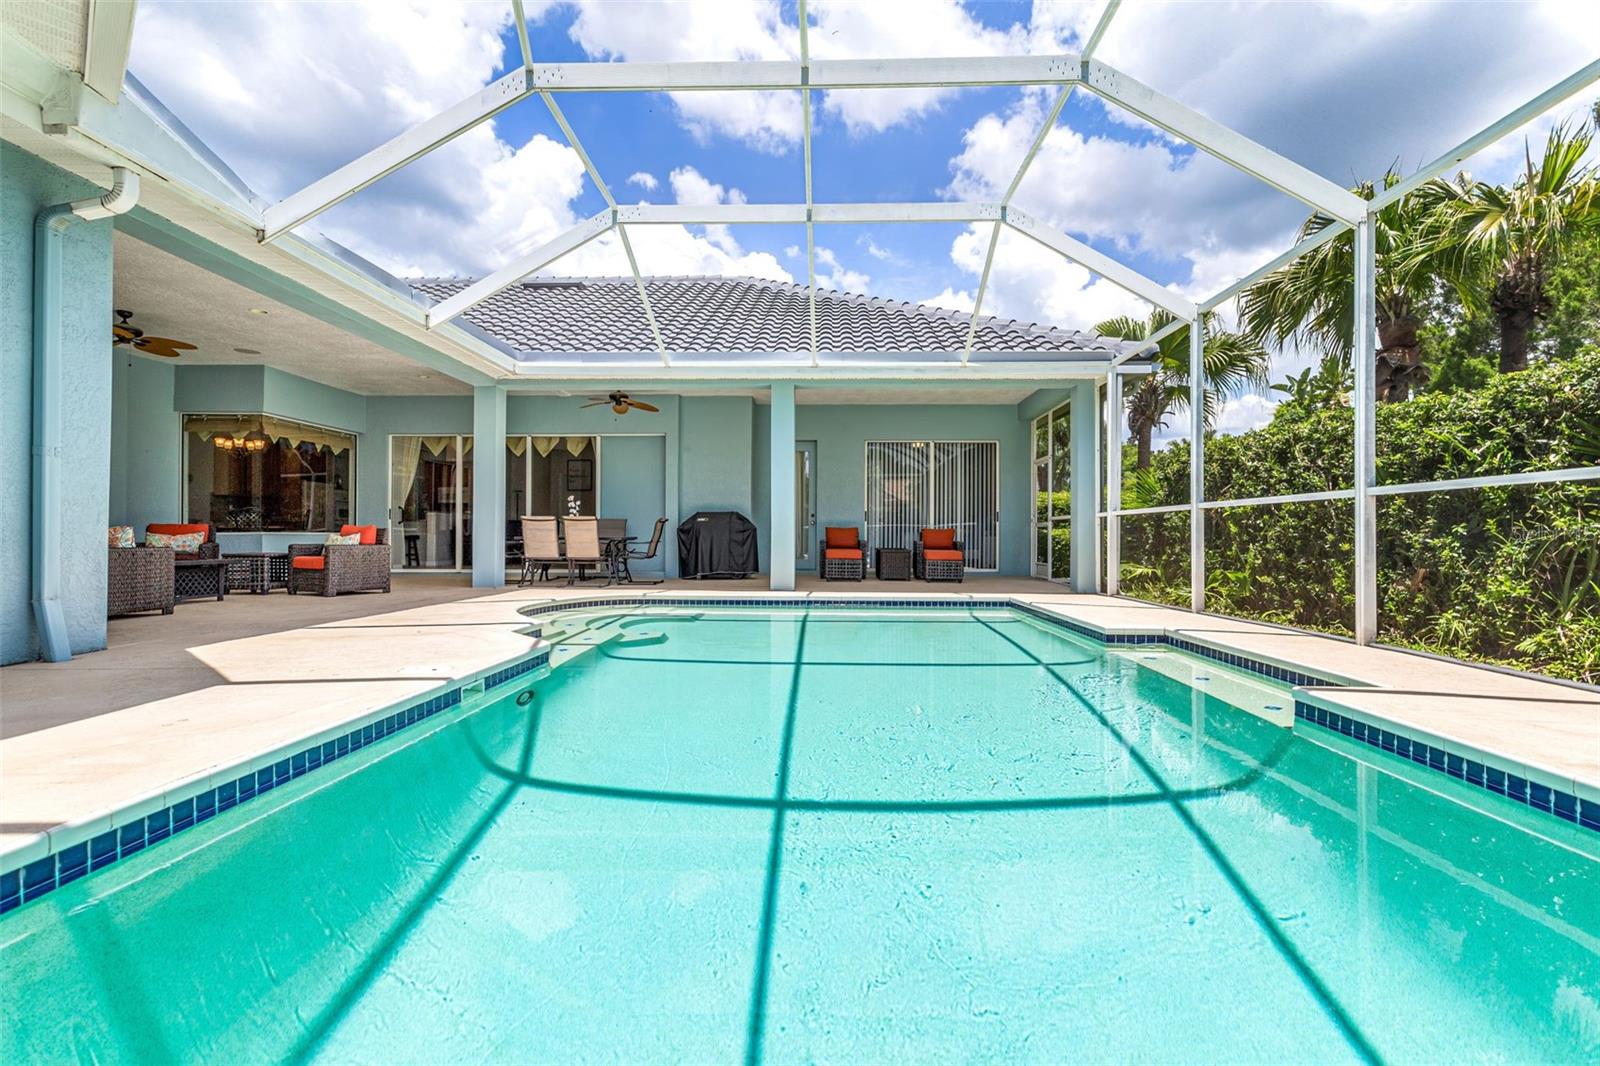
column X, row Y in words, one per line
column 48, row 228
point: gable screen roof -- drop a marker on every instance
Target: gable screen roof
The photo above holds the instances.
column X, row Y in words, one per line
column 728, row 315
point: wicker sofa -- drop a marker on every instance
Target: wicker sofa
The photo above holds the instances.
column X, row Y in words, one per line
column 329, row 569
column 209, row 549
column 139, row 579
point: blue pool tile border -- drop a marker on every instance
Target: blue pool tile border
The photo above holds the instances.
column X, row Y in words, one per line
column 1486, row 776
column 45, row 875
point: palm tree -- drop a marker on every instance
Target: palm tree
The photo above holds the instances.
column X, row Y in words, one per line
column 1310, row 303
column 1504, row 242
column 1232, row 362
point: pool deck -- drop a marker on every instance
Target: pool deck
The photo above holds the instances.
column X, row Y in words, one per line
column 114, row 733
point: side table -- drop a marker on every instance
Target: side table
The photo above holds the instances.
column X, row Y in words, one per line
column 894, row 564
column 199, row 579
column 257, row 572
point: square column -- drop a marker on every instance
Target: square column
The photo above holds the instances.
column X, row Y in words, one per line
column 781, row 565
column 1085, row 559
column 488, row 523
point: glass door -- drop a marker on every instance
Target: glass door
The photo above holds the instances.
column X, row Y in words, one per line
column 1041, row 496
column 805, row 505
column 912, row 485
column 429, row 492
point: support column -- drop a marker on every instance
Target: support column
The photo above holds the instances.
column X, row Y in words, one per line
column 1085, row 576
column 1113, row 468
column 1197, row 464
column 781, row 566
column 488, row 487
column 1366, row 475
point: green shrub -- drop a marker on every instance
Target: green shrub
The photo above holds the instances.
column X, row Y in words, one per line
column 1509, row 574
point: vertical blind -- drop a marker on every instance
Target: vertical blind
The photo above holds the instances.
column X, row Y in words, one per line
column 916, row 483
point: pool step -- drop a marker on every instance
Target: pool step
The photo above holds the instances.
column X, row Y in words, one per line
column 1239, row 688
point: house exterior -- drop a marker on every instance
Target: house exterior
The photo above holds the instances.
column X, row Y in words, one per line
column 348, row 404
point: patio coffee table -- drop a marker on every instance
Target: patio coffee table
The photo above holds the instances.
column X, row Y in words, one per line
column 257, row 572
column 894, row 564
column 199, row 579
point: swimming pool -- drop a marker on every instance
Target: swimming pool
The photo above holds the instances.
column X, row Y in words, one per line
column 790, row 835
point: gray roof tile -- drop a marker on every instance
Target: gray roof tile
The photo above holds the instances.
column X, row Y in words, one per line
column 718, row 314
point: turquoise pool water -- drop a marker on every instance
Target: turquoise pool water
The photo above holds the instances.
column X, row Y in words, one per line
column 727, row 836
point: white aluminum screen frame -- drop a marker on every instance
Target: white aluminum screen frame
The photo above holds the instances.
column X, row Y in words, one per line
column 909, row 516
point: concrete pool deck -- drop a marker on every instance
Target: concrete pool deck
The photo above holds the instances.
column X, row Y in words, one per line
column 108, row 734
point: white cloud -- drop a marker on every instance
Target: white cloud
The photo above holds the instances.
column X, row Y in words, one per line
column 872, row 248
column 760, row 30
column 644, row 179
column 689, row 186
column 245, row 76
column 1240, row 414
column 791, row 250
column 950, row 300
column 1031, row 283
column 837, row 275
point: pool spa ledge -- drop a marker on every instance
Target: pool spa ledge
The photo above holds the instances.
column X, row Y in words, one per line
column 1533, row 741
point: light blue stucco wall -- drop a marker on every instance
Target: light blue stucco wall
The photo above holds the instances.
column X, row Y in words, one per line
column 146, row 442
column 26, row 185
column 842, row 431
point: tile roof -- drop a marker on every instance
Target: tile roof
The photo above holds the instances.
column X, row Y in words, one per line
column 724, row 315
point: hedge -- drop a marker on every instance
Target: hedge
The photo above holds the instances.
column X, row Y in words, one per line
column 1508, row 575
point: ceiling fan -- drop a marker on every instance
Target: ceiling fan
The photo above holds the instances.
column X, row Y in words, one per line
column 122, row 333
column 620, row 403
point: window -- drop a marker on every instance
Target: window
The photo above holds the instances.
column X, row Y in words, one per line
column 912, row 484
column 551, row 476
column 258, row 473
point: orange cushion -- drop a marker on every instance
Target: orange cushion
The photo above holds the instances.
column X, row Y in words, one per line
column 843, row 536
column 941, row 555
column 309, row 562
column 203, row 528
column 369, row 534
column 842, row 553
column 942, row 539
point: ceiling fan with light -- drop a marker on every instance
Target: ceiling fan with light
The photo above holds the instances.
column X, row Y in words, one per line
column 620, row 403
column 166, row 347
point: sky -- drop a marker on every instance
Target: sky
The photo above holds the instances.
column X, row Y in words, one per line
column 286, row 92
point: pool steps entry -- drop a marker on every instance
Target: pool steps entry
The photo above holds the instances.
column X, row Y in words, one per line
column 558, row 642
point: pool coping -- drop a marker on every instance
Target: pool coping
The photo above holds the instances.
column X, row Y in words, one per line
column 63, row 853
column 1323, row 700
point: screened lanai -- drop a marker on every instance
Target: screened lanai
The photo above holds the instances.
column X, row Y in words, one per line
column 811, row 340
column 547, row 322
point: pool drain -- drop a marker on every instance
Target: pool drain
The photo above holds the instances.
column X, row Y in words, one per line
column 525, row 697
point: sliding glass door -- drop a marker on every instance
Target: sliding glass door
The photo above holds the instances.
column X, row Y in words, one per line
column 916, row 484
column 430, row 502
column 1052, row 494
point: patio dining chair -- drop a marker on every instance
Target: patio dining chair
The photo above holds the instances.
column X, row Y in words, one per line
column 844, row 558
column 583, row 550
column 630, row 555
column 939, row 556
column 541, row 547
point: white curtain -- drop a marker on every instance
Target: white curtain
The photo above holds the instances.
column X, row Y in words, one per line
column 407, row 457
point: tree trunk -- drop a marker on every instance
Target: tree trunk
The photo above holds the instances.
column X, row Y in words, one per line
column 1399, row 355
column 1517, row 301
column 1515, row 324
column 1143, row 434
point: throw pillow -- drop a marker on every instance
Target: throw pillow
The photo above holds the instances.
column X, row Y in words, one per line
column 121, row 537
column 343, row 538
column 178, row 542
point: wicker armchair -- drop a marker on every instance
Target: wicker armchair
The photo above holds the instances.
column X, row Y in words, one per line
column 329, row 569
column 844, row 557
column 939, row 556
column 139, row 579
